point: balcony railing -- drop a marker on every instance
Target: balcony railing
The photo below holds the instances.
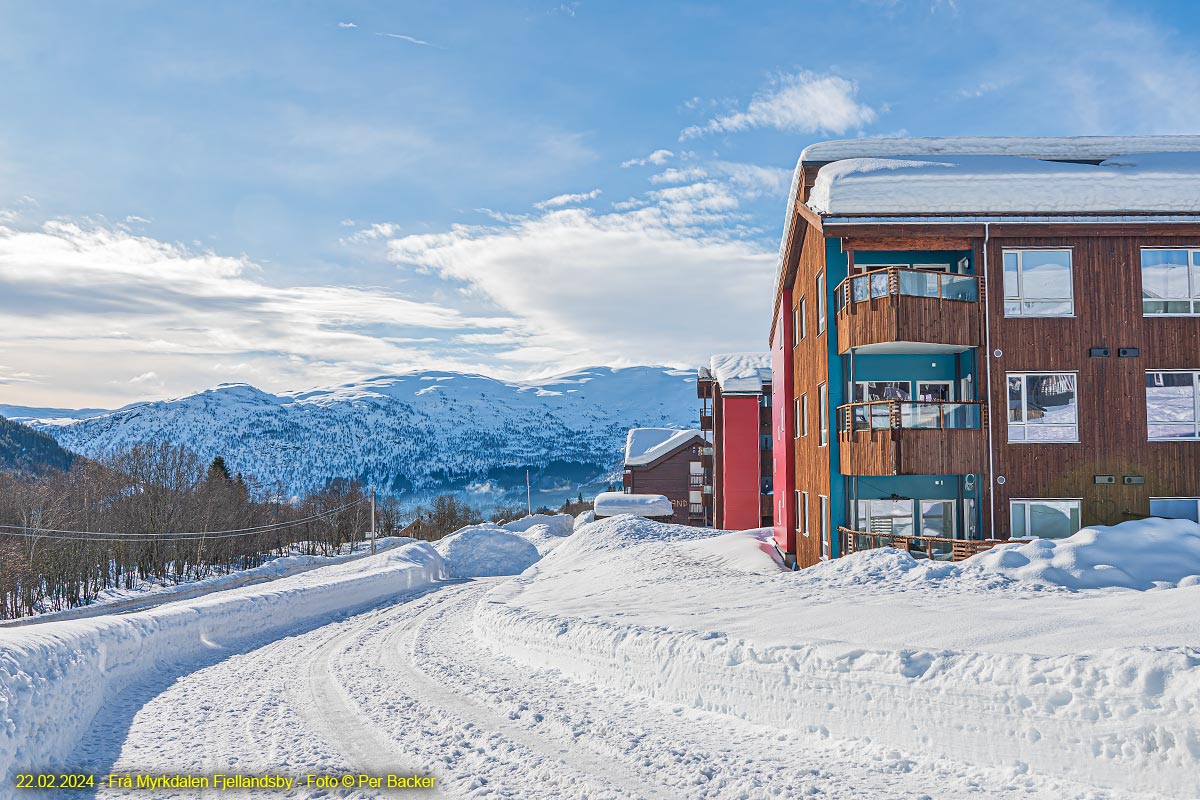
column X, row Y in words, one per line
column 695, row 509
column 907, row 282
column 696, row 481
column 706, row 422
column 888, row 414
column 913, row 306
column 937, row 548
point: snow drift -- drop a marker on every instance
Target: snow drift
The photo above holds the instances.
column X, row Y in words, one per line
column 486, row 550
column 1004, row 664
column 55, row 677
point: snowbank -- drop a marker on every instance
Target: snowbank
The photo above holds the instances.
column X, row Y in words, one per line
column 55, row 677
column 1144, row 555
column 150, row 593
column 969, row 662
column 559, row 524
column 486, row 550
column 741, row 373
column 611, row 504
column 586, row 518
column 644, row 445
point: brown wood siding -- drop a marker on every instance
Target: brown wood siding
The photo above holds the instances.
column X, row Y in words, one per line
column 1111, row 391
column 913, row 451
column 668, row 476
column 900, row 318
column 811, row 360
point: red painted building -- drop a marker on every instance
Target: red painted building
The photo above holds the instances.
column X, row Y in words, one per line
column 735, row 395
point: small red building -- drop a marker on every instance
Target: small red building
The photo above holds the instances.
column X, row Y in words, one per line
column 735, row 394
column 668, row 462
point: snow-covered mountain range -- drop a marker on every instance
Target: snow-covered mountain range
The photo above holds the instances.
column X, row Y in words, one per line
column 412, row 435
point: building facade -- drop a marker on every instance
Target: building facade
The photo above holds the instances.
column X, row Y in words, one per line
column 668, row 462
column 985, row 339
column 735, row 410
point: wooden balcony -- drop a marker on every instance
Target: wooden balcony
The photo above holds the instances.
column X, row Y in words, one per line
column 899, row 437
column 706, row 422
column 897, row 310
column 935, row 548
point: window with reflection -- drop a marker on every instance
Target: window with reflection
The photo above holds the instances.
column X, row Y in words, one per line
column 1043, row 407
column 1173, row 405
column 1037, row 283
column 1170, row 281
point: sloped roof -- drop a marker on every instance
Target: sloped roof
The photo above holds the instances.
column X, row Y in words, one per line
column 741, row 373
column 1077, row 148
column 645, row 445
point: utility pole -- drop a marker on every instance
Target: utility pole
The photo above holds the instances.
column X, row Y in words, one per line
column 372, row 518
column 528, row 494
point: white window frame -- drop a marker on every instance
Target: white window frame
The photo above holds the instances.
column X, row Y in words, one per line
column 1022, row 297
column 803, row 317
column 1195, row 500
column 823, row 522
column 821, row 309
column 796, row 315
column 936, row 267
column 1024, row 424
column 1078, row 501
column 1195, row 407
column 803, row 511
column 1193, row 270
column 802, row 410
column 823, row 414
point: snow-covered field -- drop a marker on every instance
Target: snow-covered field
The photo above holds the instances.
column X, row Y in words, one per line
column 641, row 660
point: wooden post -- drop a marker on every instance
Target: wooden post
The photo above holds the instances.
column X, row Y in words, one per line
column 372, row 518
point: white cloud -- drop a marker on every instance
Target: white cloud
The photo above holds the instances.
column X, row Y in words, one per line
column 405, row 37
column 673, row 175
column 567, row 199
column 88, row 301
column 662, row 283
column 347, row 25
column 801, row 102
column 657, row 158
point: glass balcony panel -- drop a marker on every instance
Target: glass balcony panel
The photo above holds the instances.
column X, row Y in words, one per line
column 861, row 288
column 919, row 284
column 879, row 283
column 960, row 287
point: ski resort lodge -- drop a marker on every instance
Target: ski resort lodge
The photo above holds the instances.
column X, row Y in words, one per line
column 981, row 338
column 735, row 407
column 665, row 461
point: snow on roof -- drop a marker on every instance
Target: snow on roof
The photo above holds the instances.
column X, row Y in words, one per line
column 644, row 445
column 1144, row 183
column 741, row 373
column 1080, row 148
column 610, row 504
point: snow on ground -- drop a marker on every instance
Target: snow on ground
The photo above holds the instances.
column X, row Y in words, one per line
column 585, row 518
column 1006, row 661
column 150, row 593
column 486, row 550
column 559, row 524
column 54, row 678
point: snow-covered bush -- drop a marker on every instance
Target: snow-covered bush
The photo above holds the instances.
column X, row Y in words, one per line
column 486, row 550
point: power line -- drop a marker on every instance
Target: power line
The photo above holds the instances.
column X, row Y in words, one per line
column 99, row 536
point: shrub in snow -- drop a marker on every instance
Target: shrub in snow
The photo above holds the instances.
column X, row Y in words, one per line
column 486, row 550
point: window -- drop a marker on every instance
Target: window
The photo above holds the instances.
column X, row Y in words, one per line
column 823, row 413
column 823, row 510
column 897, row 517
column 764, row 441
column 1176, row 508
column 802, row 413
column 1037, row 283
column 802, row 511
column 820, row 302
column 1042, row 407
column 1173, row 405
column 1044, row 519
column 802, row 327
column 1170, row 282
column 764, row 399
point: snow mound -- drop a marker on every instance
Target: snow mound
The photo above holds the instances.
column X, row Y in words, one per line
column 586, row 518
column 559, row 524
column 612, row 504
column 544, row 537
column 626, row 530
column 486, row 550
column 739, row 551
column 1140, row 554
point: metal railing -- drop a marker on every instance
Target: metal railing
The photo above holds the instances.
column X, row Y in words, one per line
column 938, row 548
column 907, row 282
column 887, row 414
column 696, row 480
column 695, row 509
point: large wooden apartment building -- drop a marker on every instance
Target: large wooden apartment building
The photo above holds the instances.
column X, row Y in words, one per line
column 735, row 409
column 986, row 338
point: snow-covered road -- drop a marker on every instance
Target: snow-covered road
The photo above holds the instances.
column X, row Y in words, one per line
column 406, row 687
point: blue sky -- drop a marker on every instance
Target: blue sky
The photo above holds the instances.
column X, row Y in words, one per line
column 300, row 194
